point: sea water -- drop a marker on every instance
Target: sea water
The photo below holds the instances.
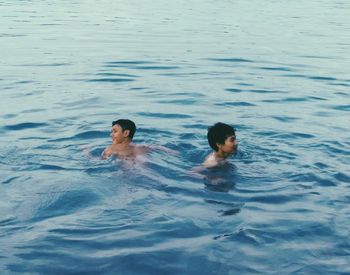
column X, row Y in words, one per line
column 278, row 71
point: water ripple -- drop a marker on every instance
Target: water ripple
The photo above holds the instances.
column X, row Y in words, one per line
column 157, row 67
column 231, row 60
column 46, row 65
column 258, row 91
column 113, row 80
column 9, row 180
column 114, row 74
column 164, row 115
column 130, row 62
column 243, row 104
column 342, row 107
column 24, row 126
column 83, row 135
column 276, row 69
column 280, row 205
column 64, row 204
column 187, row 101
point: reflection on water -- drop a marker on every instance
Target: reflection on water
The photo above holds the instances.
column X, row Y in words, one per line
column 277, row 71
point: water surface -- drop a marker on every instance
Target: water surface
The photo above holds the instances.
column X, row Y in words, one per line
column 277, row 71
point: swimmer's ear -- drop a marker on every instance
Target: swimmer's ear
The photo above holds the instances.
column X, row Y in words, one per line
column 219, row 145
column 126, row 133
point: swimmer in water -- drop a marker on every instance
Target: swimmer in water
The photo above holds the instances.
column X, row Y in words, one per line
column 122, row 133
column 222, row 139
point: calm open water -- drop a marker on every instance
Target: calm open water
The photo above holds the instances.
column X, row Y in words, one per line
column 279, row 71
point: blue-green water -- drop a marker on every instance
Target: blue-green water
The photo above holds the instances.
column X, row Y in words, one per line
column 276, row 70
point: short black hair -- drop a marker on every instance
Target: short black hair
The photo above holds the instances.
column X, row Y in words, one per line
column 126, row 124
column 218, row 134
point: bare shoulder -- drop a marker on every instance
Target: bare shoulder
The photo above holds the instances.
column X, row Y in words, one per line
column 210, row 161
column 142, row 149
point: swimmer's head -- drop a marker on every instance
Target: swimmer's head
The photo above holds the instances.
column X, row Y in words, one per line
column 221, row 135
column 126, row 125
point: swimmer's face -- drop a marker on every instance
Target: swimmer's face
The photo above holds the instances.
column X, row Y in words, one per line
column 118, row 135
column 230, row 146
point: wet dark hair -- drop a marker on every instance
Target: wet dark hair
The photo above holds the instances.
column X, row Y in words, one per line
column 126, row 124
column 218, row 134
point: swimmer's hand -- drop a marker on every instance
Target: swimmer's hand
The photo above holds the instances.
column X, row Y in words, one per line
column 106, row 153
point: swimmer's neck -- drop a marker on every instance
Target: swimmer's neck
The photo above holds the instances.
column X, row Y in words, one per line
column 122, row 146
column 219, row 155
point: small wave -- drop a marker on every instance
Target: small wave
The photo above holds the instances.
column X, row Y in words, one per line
column 128, row 62
column 230, row 60
column 114, row 80
column 196, row 126
column 179, row 101
column 66, row 203
column 294, row 75
column 332, row 148
column 50, row 167
column 23, row 126
column 322, row 78
column 230, row 212
column 180, row 74
column 7, row 221
column 157, row 67
column 163, row 115
column 287, row 136
column 316, row 56
column 316, row 98
column 242, row 104
column 246, row 236
column 341, row 84
column 258, row 91
column 340, row 176
column 46, row 65
column 245, row 84
column 7, row 181
column 342, row 108
column 30, row 111
column 24, row 82
column 235, row 90
column 276, row 69
column 285, row 118
column 83, row 135
column 231, row 204
column 153, row 132
column 189, row 93
column 90, row 134
column 114, row 74
column 274, row 199
column 313, row 178
column 50, row 24
column 11, row 35
column 137, row 88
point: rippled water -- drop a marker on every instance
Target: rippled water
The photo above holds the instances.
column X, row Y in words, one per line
column 276, row 70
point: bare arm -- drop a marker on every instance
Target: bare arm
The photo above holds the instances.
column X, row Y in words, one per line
column 164, row 149
column 106, row 153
